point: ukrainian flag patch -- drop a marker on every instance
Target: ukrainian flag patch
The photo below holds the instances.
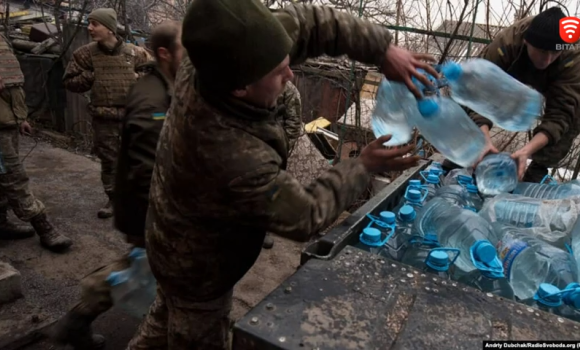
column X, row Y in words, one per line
column 158, row 116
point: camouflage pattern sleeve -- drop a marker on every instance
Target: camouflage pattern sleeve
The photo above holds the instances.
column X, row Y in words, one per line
column 79, row 75
column 318, row 30
column 273, row 200
column 562, row 98
column 291, row 113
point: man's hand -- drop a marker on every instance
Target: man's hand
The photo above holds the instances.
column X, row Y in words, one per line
column 521, row 157
column 376, row 158
column 25, row 129
column 401, row 65
column 1, row 84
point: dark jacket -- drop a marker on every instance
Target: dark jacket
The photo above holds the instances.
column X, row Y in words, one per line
column 559, row 83
column 219, row 181
column 147, row 103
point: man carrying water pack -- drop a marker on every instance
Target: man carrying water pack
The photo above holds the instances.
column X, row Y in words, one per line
column 530, row 50
column 147, row 103
column 219, row 182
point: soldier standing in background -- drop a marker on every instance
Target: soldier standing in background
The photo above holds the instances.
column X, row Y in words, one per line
column 14, row 183
column 290, row 117
column 107, row 67
column 147, row 102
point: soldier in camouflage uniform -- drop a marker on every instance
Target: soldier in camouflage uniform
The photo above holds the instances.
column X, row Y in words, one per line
column 147, row 103
column 528, row 51
column 219, row 182
column 290, row 117
column 14, row 184
column 106, row 67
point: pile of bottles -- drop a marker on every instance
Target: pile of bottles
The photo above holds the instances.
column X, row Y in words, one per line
column 134, row 288
column 477, row 84
column 483, row 228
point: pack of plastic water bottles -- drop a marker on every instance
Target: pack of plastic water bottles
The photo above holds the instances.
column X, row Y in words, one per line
column 485, row 229
column 477, row 84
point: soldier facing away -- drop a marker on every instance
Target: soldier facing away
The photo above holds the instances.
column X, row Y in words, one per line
column 219, row 182
column 14, row 183
column 147, row 103
column 106, row 67
column 528, row 50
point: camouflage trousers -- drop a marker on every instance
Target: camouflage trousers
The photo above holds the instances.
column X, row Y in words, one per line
column 175, row 323
column 106, row 144
column 15, row 191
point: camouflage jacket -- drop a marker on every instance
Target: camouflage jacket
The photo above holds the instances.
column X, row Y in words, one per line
column 147, row 103
column 558, row 83
column 80, row 76
column 290, row 114
column 218, row 184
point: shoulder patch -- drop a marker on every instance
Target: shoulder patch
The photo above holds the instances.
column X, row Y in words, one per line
column 569, row 64
column 500, row 51
column 158, row 116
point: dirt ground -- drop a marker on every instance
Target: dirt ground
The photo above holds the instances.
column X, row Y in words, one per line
column 69, row 185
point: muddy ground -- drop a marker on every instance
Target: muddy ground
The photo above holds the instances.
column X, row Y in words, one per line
column 69, row 185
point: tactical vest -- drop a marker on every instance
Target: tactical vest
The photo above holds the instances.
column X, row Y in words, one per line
column 10, row 71
column 114, row 75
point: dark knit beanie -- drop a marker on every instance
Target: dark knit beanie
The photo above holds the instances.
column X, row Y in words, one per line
column 106, row 17
column 233, row 43
column 544, row 31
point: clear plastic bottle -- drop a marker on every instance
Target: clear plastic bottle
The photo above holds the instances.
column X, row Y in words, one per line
column 453, row 194
column 485, row 88
column 413, row 185
column 528, row 261
column 393, row 104
column 569, row 189
column 559, row 215
column 473, row 201
column 496, row 173
column 378, row 232
column 418, row 250
column 458, row 228
column 432, row 183
column 461, row 176
column 450, row 130
column 489, row 278
column 553, row 300
column 134, row 289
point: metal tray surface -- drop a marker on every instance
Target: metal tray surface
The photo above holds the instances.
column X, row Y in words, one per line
column 359, row 300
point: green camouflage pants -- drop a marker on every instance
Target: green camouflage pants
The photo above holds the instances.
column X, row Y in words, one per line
column 178, row 323
column 106, row 144
column 14, row 185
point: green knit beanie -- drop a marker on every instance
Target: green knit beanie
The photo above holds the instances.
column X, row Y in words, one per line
column 233, row 43
column 106, row 17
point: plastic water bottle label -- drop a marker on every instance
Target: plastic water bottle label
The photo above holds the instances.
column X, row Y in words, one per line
column 508, row 253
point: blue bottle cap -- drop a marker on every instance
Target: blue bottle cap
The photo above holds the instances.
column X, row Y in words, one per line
column 433, row 178
column 485, row 252
column 388, row 217
column 407, row 213
column 371, row 234
column 471, row 188
column 572, row 298
column 414, row 183
column 451, row 70
column 464, row 179
column 438, row 260
column 544, row 295
column 414, row 195
column 427, row 107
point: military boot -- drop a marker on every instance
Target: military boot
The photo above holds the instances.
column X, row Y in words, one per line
column 268, row 242
column 10, row 230
column 75, row 329
column 106, row 211
column 49, row 237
